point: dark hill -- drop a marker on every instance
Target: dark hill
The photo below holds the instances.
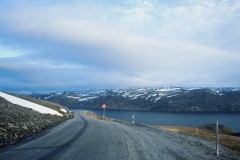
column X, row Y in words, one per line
column 158, row 99
column 200, row 100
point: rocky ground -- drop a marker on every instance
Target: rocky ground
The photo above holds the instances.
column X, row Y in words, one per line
column 17, row 122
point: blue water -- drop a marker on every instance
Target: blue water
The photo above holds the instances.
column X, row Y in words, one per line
column 230, row 120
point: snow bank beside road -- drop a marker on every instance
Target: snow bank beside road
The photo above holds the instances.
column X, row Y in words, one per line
column 63, row 110
column 27, row 104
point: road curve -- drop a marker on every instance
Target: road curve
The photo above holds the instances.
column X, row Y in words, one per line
column 87, row 138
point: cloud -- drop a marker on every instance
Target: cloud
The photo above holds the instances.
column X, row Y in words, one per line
column 141, row 43
column 9, row 52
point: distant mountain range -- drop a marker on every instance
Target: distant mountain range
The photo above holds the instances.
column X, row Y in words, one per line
column 159, row 99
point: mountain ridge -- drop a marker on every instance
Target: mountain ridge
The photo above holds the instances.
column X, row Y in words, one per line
column 177, row 99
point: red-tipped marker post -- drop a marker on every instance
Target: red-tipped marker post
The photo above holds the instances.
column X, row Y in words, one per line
column 132, row 118
column 104, row 106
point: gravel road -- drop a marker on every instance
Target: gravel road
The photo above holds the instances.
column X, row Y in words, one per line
column 87, row 138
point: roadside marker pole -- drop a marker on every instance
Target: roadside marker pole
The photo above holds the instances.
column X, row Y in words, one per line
column 132, row 118
column 217, row 151
column 104, row 106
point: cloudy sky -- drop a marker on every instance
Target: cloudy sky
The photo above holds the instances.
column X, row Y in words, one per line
column 92, row 44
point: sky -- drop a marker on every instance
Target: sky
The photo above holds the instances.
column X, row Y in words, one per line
column 91, row 44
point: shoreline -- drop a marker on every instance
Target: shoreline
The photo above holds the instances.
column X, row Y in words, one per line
column 173, row 118
column 122, row 109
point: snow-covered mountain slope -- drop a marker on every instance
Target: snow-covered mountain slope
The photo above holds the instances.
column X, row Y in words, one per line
column 153, row 94
column 27, row 104
column 163, row 99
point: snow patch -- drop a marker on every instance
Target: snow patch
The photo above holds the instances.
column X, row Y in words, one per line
column 48, row 97
column 73, row 97
column 156, row 99
column 148, row 97
column 63, row 110
column 27, row 104
column 190, row 89
column 167, row 89
column 86, row 99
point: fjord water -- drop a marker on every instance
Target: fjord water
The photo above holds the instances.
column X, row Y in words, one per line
column 230, row 120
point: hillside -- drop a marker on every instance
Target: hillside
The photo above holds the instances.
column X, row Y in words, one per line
column 159, row 99
column 57, row 107
column 18, row 122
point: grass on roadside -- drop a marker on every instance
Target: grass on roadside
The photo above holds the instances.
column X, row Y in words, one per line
column 228, row 141
column 93, row 115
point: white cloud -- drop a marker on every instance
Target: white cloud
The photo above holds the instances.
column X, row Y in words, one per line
column 140, row 42
column 83, row 22
column 6, row 52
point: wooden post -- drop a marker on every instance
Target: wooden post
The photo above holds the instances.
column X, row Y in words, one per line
column 197, row 130
column 217, row 151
